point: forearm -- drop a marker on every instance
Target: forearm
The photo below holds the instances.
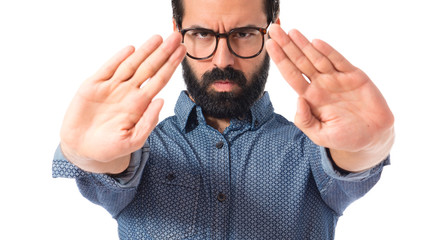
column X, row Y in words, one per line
column 115, row 166
column 367, row 158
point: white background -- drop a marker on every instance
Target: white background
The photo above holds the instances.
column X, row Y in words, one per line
column 47, row 48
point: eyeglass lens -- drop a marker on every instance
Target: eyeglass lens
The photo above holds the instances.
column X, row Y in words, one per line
column 244, row 42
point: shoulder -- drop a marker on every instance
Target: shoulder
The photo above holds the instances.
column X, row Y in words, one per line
column 167, row 127
column 279, row 125
column 283, row 135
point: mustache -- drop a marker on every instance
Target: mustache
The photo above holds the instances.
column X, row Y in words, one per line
column 228, row 73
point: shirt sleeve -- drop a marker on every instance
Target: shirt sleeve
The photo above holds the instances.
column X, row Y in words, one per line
column 339, row 189
column 113, row 192
column 332, row 171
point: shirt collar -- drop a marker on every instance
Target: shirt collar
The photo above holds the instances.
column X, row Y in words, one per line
column 261, row 111
column 188, row 112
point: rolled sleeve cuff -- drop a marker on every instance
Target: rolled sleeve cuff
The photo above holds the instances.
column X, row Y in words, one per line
column 327, row 165
column 62, row 168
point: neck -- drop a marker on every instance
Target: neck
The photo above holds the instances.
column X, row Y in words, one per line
column 219, row 124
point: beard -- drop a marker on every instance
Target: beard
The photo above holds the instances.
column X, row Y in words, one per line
column 226, row 104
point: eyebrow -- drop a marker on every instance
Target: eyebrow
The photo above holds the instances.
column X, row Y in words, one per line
column 199, row 26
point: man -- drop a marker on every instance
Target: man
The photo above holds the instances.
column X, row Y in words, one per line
column 226, row 166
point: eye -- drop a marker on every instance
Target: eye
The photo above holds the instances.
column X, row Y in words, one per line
column 201, row 34
column 244, row 34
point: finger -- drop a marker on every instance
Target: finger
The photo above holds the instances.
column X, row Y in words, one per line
column 319, row 61
column 131, row 64
column 307, row 122
column 339, row 62
column 287, row 68
column 292, row 51
column 147, row 123
column 155, row 62
column 162, row 77
column 109, row 68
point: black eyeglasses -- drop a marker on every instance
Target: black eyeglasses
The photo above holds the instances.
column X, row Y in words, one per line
column 243, row 42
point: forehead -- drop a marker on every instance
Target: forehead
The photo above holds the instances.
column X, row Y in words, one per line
column 223, row 13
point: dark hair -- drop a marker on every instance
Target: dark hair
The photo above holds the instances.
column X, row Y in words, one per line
column 271, row 9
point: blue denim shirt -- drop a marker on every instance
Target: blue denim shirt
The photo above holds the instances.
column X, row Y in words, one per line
column 260, row 179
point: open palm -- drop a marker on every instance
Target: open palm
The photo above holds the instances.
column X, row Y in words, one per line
column 112, row 114
column 340, row 108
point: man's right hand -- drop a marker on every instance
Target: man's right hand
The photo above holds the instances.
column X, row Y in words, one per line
column 111, row 115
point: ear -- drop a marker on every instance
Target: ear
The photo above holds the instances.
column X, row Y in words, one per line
column 278, row 21
column 175, row 26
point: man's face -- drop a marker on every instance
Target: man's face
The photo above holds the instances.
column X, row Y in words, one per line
column 225, row 86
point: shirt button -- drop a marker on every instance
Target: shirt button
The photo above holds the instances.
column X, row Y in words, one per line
column 221, row 197
column 170, row 177
column 219, row 145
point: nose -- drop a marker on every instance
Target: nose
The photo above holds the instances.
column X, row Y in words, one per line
column 223, row 57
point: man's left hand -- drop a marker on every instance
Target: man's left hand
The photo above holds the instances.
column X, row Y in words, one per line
column 339, row 107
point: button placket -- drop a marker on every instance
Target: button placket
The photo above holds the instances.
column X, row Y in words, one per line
column 220, row 179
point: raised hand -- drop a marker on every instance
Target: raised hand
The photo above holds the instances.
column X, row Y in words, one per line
column 112, row 114
column 340, row 108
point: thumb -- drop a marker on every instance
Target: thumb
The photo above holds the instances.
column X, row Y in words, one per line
column 306, row 121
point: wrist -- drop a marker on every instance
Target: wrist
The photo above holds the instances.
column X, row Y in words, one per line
column 365, row 158
column 115, row 166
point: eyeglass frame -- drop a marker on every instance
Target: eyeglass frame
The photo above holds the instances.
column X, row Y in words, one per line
column 218, row 35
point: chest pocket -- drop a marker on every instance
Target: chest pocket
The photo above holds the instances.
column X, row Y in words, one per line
column 170, row 201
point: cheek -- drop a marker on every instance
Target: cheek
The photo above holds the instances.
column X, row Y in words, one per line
column 250, row 66
column 198, row 67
